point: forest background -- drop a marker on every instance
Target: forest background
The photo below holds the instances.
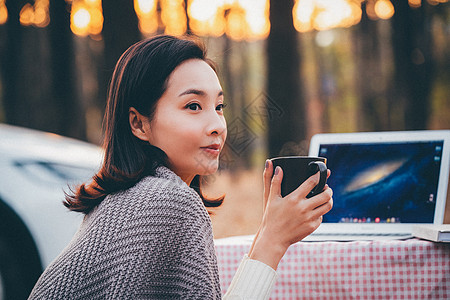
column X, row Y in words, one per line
column 289, row 69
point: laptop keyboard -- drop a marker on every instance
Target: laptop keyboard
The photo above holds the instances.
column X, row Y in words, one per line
column 356, row 236
column 360, row 234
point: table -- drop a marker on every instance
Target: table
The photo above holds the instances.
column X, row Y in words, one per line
column 383, row 269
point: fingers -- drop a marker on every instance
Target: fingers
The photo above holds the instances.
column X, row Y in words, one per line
column 322, row 202
column 305, row 188
column 319, row 204
column 316, row 214
column 315, row 223
column 275, row 185
column 267, row 179
column 290, row 219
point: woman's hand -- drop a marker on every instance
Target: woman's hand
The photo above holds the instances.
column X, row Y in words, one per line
column 287, row 220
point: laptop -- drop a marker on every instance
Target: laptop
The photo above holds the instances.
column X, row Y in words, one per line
column 384, row 183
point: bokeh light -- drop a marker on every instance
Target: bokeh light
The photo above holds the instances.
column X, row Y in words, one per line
column 238, row 19
column 86, row 17
column 3, row 12
column 325, row 14
column 415, row 3
column 173, row 16
column 384, row 9
column 35, row 15
column 81, row 20
column 147, row 15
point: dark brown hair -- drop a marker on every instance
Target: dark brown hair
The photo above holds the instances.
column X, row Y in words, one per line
column 139, row 80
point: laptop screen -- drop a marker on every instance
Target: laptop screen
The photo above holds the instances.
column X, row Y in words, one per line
column 389, row 182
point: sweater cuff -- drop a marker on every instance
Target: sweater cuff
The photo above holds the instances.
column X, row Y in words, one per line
column 253, row 280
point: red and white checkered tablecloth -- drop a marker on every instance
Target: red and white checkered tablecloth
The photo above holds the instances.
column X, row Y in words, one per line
column 386, row 269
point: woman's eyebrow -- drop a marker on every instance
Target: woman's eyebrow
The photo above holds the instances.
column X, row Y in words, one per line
column 192, row 91
column 197, row 92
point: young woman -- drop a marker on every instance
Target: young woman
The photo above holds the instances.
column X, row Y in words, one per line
column 147, row 233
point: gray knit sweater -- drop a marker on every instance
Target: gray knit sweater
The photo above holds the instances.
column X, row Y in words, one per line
column 152, row 241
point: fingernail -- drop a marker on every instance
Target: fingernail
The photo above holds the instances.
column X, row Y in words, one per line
column 267, row 164
column 277, row 170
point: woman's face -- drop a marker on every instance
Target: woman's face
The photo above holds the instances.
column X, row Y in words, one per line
column 188, row 123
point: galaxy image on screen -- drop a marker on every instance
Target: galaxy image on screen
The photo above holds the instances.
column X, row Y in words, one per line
column 383, row 182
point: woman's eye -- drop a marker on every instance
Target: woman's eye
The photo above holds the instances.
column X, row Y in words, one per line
column 194, row 106
column 221, row 106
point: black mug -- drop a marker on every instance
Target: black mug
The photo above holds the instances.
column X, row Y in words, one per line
column 296, row 169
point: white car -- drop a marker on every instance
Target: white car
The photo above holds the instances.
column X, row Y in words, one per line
column 36, row 168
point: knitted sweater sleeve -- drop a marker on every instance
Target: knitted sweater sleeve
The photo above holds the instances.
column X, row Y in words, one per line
column 178, row 258
column 253, row 280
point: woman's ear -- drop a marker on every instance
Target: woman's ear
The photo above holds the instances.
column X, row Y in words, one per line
column 140, row 125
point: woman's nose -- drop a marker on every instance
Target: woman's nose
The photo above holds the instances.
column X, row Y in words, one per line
column 217, row 124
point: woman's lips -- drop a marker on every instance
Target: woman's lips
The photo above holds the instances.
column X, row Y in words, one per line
column 212, row 149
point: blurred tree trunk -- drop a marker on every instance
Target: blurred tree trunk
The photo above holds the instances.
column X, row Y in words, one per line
column 326, row 83
column 235, row 77
column 38, row 74
column 67, row 110
column 373, row 112
column 10, row 63
column 317, row 111
column 414, row 70
column 188, row 27
column 120, row 31
column 283, row 85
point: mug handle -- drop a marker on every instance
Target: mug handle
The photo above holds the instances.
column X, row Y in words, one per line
column 322, row 169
